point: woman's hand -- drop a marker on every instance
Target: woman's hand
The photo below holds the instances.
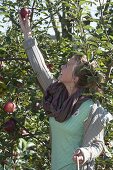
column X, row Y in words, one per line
column 25, row 26
column 78, row 156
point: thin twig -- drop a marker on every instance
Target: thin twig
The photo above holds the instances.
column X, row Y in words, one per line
column 102, row 21
column 32, row 9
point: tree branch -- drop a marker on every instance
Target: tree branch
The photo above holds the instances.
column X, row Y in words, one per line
column 106, row 6
column 32, row 9
column 57, row 33
column 102, row 21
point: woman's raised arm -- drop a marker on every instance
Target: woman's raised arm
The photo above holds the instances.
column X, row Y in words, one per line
column 45, row 77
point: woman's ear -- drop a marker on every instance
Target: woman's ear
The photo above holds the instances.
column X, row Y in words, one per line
column 76, row 79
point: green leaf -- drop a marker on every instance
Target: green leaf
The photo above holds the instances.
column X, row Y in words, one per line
column 22, row 144
column 88, row 27
column 99, row 31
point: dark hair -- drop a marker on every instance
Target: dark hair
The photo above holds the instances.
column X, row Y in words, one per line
column 80, row 58
column 89, row 78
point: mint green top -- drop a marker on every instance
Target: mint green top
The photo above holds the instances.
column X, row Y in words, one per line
column 67, row 137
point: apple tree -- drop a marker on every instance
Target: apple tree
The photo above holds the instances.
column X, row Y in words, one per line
column 61, row 28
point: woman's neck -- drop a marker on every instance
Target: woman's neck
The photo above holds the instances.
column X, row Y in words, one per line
column 71, row 89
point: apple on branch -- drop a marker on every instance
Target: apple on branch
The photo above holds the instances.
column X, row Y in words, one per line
column 24, row 11
column 10, row 107
column 9, row 126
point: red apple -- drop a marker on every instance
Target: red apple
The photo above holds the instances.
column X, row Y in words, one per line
column 9, row 126
column 9, row 107
column 24, row 11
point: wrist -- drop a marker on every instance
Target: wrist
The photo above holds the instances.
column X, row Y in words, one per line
column 28, row 35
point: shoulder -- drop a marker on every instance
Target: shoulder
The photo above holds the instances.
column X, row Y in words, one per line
column 86, row 105
column 99, row 112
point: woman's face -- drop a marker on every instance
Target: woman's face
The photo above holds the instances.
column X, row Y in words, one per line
column 66, row 74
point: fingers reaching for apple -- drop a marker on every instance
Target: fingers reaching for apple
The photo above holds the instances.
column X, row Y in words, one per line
column 24, row 21
column 24, row 11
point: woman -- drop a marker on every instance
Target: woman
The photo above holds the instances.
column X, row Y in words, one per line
column 77, row 123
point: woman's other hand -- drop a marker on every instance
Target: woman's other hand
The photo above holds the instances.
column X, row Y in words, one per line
column 25, row 26
column 78, row 156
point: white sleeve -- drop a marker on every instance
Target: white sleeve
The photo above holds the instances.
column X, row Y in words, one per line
column 94, row 144
column 94, row 149
column 37, row 62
